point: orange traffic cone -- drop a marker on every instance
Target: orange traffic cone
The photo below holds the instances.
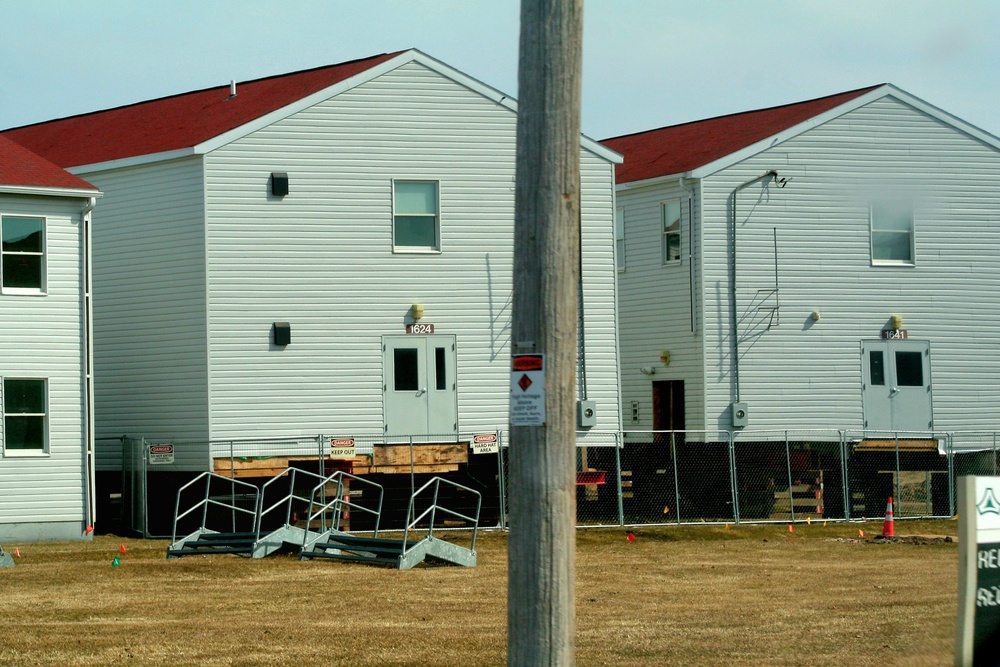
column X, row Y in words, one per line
column 888, row 528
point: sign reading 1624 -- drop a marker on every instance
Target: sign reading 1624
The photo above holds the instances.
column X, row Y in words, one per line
column 419, row 328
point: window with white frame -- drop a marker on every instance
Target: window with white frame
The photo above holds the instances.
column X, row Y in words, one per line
column 892, row 233
column 415, row 217
column 22, row 254
column 620, row 237
column 25, row 422
column 671, row 214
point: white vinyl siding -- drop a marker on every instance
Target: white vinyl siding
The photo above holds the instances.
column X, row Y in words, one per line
column 321, row 259
column 42, row 495
column 655, row 302
column 149, row 309
column 795, row 373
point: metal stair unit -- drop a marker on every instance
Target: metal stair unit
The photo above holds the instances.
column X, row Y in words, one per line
column 330, row 513
column 405, row 553
column 217, row 533
column 252, row 541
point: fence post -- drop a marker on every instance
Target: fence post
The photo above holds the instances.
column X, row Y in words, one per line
column 899, row 481
column 618, row 471
column 788, row 469
column 144, row 498
column 413, row 482
column 321, row 469
column 677, row 486
column 501, row 481
column 951, row 476
column 845, row 486
column 733, row 491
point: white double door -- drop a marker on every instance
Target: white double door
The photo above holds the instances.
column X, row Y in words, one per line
column 897, row 385
column 419, row 385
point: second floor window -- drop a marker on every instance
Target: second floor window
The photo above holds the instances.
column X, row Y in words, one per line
column 22, row 254
column 892, row 233
column 671, row 213
column 415, row 217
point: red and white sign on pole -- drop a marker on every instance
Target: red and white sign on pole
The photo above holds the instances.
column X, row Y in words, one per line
column 527, row 390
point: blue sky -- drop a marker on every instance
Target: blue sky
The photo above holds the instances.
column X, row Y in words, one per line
column 647, row 63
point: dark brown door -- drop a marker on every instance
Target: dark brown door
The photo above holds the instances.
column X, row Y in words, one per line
column 668, row 405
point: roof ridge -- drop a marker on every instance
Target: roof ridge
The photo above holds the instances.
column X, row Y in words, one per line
column 863, row 89
column 246, row 82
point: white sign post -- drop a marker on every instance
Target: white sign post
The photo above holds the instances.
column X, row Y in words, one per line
column 977, row 641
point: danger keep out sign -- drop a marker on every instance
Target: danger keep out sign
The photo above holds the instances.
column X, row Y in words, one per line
column 527, row 390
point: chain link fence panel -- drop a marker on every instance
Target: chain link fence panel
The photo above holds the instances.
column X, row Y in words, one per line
column 788, row 475
column 912, row 467
column 623, row 478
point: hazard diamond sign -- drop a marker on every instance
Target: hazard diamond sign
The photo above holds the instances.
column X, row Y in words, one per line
column 527, row 390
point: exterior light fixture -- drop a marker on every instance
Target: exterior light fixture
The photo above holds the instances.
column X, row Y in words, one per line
column 417, row 311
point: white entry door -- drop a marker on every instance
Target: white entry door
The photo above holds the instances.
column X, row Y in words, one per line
column 897, row 385
column 419, row 386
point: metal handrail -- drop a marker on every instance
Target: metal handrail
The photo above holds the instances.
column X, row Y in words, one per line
column 434, row 507
column 291, row 473
column 338, row 504
column 207, row 501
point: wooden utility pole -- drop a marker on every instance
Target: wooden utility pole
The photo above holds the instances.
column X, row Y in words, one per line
column 541, row 618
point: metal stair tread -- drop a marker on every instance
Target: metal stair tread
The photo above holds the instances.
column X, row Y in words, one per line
column 350, row 557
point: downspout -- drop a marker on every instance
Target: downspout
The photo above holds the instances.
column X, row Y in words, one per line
column 734, row 315
column 581, row 338
column 692, row 294
column 88, row 351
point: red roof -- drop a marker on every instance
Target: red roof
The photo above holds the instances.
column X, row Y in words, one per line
column 20, row 167
column 178, row 121
column 680, row 148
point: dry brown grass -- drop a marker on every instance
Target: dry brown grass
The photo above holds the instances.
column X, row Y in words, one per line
column 750, row 595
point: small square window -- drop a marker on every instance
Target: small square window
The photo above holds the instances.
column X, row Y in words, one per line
column 22, row 254
column 892, row 233
column 24, row 416
column 671, row 212
column 415, row 215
